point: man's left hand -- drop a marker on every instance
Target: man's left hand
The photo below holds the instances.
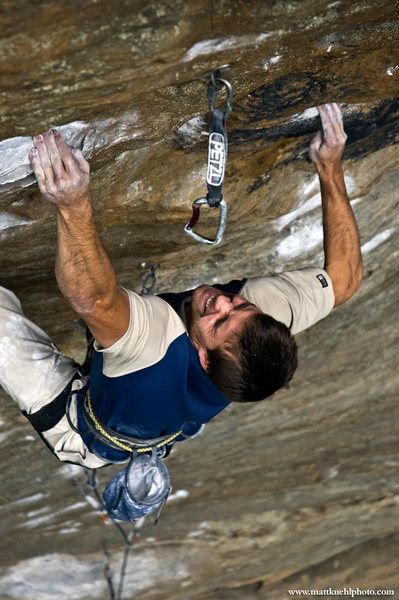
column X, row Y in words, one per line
column 328, row 145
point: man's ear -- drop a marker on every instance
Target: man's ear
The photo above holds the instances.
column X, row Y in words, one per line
column 203, row 358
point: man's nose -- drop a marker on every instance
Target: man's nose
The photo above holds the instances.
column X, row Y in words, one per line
column 223, row 303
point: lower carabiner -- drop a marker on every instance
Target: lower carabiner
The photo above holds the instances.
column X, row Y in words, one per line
column 188, row 228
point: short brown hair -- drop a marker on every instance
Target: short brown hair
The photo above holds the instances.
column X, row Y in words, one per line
column 255, row 364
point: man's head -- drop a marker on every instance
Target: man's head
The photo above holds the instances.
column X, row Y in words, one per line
column 248, row 355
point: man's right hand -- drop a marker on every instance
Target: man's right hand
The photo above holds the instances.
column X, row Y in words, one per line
column 327, row 147
column 62, row 173
column 84, row 272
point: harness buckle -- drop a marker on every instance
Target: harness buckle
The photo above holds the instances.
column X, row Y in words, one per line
column 188, row 228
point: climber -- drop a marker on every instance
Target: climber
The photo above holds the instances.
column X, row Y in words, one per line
column 149, row 381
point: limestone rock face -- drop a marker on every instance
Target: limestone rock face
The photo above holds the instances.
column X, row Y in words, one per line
column 301, row 491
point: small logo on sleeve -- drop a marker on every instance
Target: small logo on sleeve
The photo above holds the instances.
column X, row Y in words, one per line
column 322, row 280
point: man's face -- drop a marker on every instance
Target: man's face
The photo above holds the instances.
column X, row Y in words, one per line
column 213, row 316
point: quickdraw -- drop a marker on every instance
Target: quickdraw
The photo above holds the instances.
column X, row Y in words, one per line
column 217, row 153
column 150, row 279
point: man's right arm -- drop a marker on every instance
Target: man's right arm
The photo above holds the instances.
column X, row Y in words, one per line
column 84, row 273
column 343, row 259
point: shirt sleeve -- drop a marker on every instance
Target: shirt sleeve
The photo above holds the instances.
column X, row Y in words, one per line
column 153, row 326
column 296, row 298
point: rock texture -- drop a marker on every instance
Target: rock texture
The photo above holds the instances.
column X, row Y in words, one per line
column 302, row 491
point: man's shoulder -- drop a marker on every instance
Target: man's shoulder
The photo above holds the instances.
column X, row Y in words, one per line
column 153, row 327
column 298, row 298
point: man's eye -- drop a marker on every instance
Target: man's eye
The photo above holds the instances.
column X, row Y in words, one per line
column 243, row 306
column 219, row 323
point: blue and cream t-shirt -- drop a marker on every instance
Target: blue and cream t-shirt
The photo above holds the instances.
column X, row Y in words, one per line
column 150, row 382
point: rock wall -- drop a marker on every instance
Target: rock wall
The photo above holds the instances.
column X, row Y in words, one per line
column 300, row 491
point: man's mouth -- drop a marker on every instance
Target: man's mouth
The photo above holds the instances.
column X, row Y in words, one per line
column 208, row 301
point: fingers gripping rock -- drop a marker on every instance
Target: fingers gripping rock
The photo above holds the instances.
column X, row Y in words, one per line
column 328, row 145
column 62, row 172
column 84, row 165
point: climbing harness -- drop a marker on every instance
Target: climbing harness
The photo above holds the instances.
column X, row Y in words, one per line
column 119, row 441
column 217, row 153
column 143, row 486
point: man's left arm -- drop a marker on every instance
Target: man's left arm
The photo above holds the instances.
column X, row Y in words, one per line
column 343, row 259
column 303, row 297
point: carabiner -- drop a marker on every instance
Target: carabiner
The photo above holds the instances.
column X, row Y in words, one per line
column 150, row 280
column 217, row 82
column 188, row 228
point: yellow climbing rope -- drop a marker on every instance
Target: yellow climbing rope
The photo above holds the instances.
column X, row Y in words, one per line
column 115, row 440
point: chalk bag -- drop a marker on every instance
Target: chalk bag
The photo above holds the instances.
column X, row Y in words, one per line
column 139, row 489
